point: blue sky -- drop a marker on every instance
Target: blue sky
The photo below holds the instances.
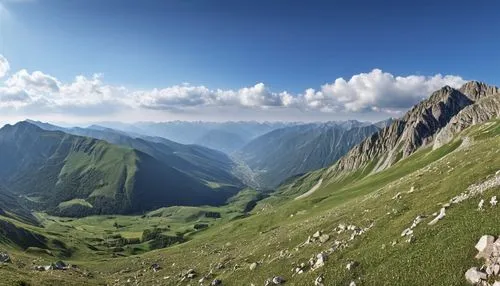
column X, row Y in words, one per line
column 287, row 45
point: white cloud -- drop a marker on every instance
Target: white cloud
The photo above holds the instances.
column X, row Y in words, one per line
column 380, row 92
column 377, row 90
column 4, row 66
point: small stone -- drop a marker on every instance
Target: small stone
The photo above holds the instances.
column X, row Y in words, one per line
column 407, row 232
column 4, row 257
column 493, row 201
column 410, row 239
column 320, row 262
column 496, row 269
column 474, row 276
column 324, row 238
column 253, row 266
column 216, row 282
column 316, row 234
column 319, row 281
column 480, row 205
column 155, row 267
column 277, row 280
column 397, row 196
column 352, row 283
column 351, row 265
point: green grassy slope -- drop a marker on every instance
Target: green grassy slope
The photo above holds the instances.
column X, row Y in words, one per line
column 439, row 256
column 199, row 162
column 279, row 225
column 76, row 176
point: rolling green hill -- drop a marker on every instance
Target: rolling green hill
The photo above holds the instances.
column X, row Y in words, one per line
column 199, row 162
column 73, row 175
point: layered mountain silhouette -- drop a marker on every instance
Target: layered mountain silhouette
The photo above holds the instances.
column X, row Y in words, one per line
column 290, row 151
column 74, row 176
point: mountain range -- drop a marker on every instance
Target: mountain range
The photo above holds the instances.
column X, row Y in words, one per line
column 401, row 202
column 294, row 150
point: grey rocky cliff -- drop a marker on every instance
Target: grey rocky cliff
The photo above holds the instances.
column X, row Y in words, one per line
column 417, row 128
column 484, row 110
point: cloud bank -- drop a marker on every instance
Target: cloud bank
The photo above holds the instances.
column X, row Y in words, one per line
column 30, row 94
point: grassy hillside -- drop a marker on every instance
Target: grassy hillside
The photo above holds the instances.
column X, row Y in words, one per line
column 76, row 176
column 201, row 163
column 383, row 204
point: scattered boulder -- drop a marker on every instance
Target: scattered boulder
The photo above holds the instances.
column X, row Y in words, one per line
column 485, row 246
column 324, row 238
column 493, row 201
column 60, row 265
column 489, row 249
column 352, row 283
column 4, row 257
column 253, row 266
column 320, row 261
column 474, row 276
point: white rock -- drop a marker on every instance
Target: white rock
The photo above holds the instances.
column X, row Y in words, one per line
column 484, row 242
column 496, row 269
column 475, row 276
column 324, row 238
column 319, row 281
column 497, row 283
column 493, row 201
column 397, row 196
column 407, row 232
column 253, row 266
column 351, row 265
column 316, row 234
column 352, row 283
column 440, row 216
column 277, row 280
column 320, row 261
column 480, row 205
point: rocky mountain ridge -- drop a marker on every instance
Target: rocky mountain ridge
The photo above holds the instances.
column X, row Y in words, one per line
column 420, row 126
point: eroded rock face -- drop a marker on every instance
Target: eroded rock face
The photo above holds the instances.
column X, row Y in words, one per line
column 483, row 110
column 420, row 126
